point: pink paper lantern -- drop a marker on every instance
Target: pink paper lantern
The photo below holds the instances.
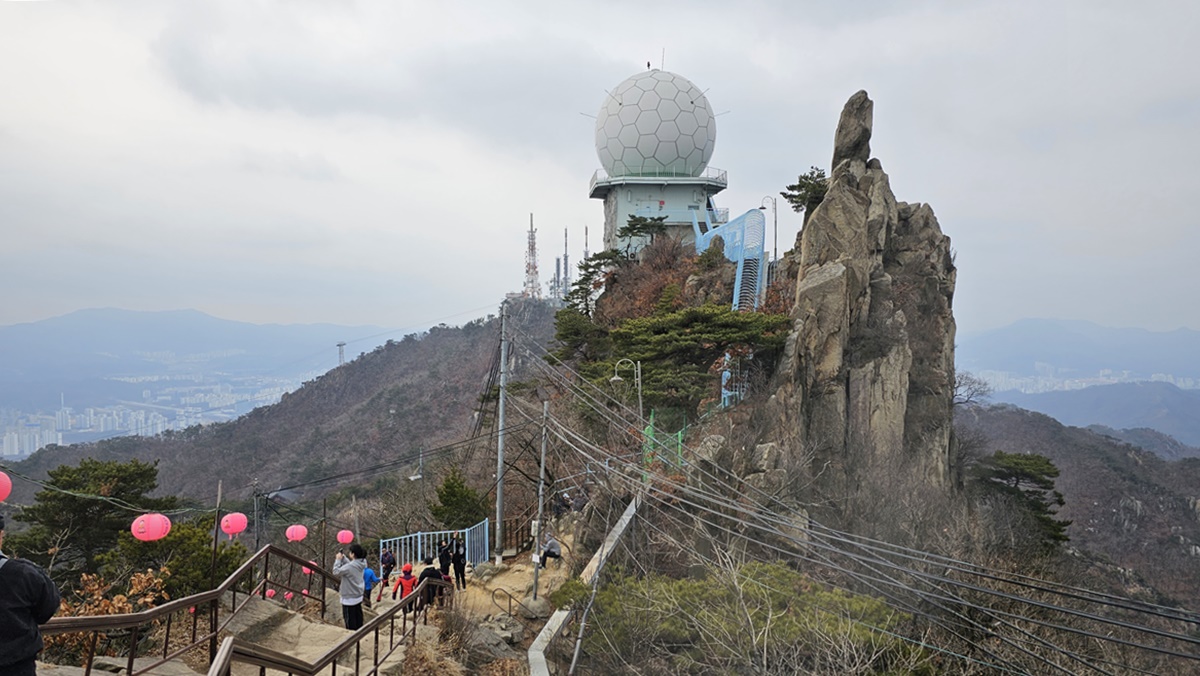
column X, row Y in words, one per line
column 296, row 533
column 304, row 591
column 270, row 593
column 192, row 610
column 287, row 596
column 345, row 537
column 5, row 486
column 150, row 527
column 306, row 570
column 233, row 523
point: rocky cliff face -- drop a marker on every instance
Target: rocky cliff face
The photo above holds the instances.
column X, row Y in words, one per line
column 867, row 379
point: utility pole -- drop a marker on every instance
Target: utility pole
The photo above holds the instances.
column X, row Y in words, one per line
column 354, row 508
column 257, row 530
column 212, row 578
column 500, row 435
column 537, row 541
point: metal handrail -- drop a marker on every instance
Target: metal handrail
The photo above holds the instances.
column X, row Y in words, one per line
column 98, row 624
column 511, row 599
column 235, row 649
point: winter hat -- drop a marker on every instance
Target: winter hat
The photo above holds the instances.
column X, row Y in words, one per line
column 407, row 568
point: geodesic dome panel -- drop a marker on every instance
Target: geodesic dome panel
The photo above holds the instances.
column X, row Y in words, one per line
column 655, row 123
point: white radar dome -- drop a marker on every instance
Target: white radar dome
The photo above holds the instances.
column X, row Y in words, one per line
column 655, row 123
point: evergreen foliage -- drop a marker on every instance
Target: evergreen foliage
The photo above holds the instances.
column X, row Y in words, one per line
column 186, row 552
column 679, row 349
column 592, row 271
column 1029, row 479
column 638, row 227
column 808, row 191
column 458, row 505
column 70, row 528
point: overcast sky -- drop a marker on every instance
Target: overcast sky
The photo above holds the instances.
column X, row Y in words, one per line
column 377, row 162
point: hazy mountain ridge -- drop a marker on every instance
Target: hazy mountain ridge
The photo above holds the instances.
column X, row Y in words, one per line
column 79, row 354
column 1080, row 349
column 396, row 399
column 1155, row 405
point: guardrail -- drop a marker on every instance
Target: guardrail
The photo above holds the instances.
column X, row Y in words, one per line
column 132, row 628
column 414, row 547
column 561, row 619
column 234, row 649
column 653, row 171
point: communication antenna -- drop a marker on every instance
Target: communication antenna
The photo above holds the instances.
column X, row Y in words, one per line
column 341, row 353
column 566, row 269
column 533, row 284
column 585, row 243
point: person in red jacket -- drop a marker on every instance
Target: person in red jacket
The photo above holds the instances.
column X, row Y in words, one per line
column 405, row 583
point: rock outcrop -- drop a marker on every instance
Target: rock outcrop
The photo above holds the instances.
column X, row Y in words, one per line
column 867, row 378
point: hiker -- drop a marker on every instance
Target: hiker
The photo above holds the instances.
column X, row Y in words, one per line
column 388, row 560
column 370, row 579
column 27, row 598
column 550, row 550
column 350, row 571
column 405, row 583
column 458, row 558
column 430, row 573
column 444, row 557
column 561, row 504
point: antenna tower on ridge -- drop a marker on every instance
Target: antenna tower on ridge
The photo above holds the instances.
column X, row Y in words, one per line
column 533, row 284
column 341, row 353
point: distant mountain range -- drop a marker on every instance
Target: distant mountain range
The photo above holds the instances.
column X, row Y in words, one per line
column 1124, row 406
column 82, row 351
column 1063, row 349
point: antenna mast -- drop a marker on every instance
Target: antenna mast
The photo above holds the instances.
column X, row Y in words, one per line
column 533, row 284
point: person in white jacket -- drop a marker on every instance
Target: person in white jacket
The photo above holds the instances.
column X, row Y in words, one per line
column 349, row 570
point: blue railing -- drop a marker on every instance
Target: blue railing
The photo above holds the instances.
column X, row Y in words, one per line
column 414, row 547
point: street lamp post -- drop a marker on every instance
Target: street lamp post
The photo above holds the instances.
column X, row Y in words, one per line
column 637, row 379
column 775, row 231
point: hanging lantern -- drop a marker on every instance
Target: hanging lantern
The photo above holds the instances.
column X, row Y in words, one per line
column 306, row 570
column 304, row 591
column 287, row 596
column 296, row 533
column 150, row 527
column 233, row 523
column 5, row 486
column 270, row 593
column 345, row 537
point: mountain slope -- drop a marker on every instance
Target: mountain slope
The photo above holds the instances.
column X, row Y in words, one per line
column 1158, row 406
column 1125, row 503
column 399, row 398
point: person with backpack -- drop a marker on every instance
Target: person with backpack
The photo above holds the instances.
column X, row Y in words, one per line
column 458, row 559
column 388, row 561
column 406, row 582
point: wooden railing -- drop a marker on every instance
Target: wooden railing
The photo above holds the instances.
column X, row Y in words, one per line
column 252, row 578
column 234, row 649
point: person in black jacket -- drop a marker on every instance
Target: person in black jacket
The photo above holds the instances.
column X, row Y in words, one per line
column 458, row 558
column 430, row 573
column 28, row 598
column 444, row 557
